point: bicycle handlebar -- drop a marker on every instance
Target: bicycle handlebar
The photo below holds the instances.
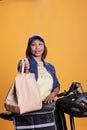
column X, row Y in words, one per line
column 73, row 89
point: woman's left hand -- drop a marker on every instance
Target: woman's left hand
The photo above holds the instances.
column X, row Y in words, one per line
column 50, row 98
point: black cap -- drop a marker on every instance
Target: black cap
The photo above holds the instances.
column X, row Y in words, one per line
column 35, row 36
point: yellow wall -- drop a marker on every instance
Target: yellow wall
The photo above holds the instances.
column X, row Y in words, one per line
column 63, row 24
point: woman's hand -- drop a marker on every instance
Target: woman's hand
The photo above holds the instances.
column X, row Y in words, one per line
column 26, row 65
column 51, row 96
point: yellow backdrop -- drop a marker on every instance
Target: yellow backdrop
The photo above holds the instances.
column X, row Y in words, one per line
column 63, row 24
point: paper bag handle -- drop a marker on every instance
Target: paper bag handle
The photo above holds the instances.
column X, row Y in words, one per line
column 22, row 66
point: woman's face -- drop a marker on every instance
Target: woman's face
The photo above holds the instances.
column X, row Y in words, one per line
column 37, row 48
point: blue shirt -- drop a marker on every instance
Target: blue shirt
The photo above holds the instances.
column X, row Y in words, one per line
column 50, row 68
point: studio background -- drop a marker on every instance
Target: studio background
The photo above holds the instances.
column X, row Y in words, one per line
column 62, row 23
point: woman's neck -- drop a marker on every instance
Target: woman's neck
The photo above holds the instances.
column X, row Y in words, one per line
column 37, row 59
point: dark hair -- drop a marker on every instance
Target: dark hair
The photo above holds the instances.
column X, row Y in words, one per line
column 31, row 39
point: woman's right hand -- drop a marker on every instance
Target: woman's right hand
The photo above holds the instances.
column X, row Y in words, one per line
column 26, row 65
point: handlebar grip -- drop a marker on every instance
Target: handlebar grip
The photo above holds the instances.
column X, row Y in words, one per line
column 62, row 94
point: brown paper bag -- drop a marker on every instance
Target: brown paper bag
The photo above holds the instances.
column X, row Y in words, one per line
column 24, row 95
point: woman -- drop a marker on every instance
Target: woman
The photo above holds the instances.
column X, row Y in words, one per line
column 45, row 74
